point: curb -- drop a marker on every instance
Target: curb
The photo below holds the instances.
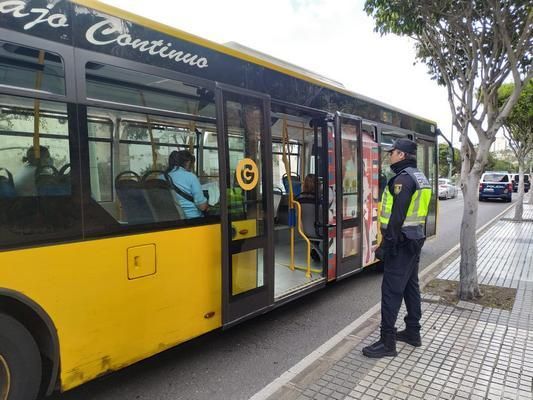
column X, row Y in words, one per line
column 292, row 372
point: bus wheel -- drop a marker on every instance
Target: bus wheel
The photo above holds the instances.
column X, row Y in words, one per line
column 20, row 361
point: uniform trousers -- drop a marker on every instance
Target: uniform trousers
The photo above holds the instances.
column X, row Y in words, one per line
column 400, row 281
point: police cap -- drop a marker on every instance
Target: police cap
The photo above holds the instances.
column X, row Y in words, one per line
column 402, row 144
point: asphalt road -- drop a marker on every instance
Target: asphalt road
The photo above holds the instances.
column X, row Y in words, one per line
column 236, row 363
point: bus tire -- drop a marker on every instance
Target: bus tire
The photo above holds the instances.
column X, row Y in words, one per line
column 20, row 361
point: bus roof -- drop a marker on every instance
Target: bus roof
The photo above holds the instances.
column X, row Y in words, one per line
column 242, row 52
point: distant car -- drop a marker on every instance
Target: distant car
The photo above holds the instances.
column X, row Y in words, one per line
column 447, row 190
column 516, row 179
column 495, row 185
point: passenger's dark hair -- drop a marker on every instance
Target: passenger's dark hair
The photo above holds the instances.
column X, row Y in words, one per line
column 178, row 159
column 309, row 184
column 30, row 156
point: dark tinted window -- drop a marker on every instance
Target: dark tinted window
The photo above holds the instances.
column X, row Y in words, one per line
column 31, row 68
column 36, row 190
column 123, row 86
column 495, row 178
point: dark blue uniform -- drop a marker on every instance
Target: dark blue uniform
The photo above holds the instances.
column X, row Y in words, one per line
column 401, row 257
column 403, row 234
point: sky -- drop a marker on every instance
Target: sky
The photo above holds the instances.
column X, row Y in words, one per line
column 333, row 38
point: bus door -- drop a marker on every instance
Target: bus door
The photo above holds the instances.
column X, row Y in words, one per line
column 243, row 119
column 426, row 159
column 370, row 185
column 349, row 200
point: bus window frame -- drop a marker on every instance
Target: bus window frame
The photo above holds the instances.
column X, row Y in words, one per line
column 66, row 53
column 82, row 57
column 69, row 99
column 347, row 266
column 239, row 307
column 427, row 166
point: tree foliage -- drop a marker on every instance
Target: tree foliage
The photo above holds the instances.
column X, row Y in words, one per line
column 519, row 123
column 444, row 165
column 471, row 46
column 497, row 164
column 518, row 130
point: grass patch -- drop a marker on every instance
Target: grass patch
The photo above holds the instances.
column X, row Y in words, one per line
column 493, row 296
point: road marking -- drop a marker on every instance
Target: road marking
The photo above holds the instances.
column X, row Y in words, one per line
column 292, row 372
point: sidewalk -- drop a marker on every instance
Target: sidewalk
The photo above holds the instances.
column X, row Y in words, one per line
column 468, row 351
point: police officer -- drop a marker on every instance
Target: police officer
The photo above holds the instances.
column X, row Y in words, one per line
column 404, row 208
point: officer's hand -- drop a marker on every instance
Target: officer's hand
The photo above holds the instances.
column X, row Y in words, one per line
column 380, row 253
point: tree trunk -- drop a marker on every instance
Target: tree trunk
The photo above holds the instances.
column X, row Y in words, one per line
column 531, row 183
column 468, row 284
column 519, row 208
column 470, row 174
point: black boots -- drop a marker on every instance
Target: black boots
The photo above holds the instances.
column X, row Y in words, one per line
column 411, row 337
column 384, row 347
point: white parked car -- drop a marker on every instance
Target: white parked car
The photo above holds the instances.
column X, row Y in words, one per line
column 447, row 190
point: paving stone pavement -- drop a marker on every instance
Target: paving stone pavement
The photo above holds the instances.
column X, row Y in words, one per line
column 468, row 351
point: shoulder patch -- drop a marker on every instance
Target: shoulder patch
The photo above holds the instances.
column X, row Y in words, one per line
column 397, row 188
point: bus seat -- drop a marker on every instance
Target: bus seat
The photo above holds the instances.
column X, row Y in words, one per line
column 64, row 174
column 7, row 187
column 161, row 197
column 131, row 195
column 49, row 182
column 296, row 184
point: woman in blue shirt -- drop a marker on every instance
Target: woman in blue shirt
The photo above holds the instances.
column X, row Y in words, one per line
column 180, row 164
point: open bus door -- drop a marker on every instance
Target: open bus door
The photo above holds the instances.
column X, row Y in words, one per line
column 243, row 119
column 348, row 183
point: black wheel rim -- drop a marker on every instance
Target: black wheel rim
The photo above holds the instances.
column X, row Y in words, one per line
column 5, row 379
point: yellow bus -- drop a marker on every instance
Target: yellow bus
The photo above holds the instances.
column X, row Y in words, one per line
column 108, row 254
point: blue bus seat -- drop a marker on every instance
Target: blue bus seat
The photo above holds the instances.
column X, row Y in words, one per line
column 160, row 196
column 7, row 187
column 49, row 182
column 296, row 184
column 131, row 195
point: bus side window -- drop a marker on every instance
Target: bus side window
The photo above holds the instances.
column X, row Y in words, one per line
column 37, row 202
column 128, row 162
column 137, row 145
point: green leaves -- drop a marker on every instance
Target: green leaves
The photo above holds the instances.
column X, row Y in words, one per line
column 457, row 35
column 519, row 122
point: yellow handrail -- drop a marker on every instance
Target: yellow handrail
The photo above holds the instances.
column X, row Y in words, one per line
column 294, row 204
column 287, row 164
column 150, row 133
column 302, row 234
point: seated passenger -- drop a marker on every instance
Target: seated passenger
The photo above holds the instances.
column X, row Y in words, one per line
column 308, row 193
column 188, row 190
column 24, row 179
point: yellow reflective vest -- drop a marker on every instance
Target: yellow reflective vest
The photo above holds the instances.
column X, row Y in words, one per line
column 414, row 225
